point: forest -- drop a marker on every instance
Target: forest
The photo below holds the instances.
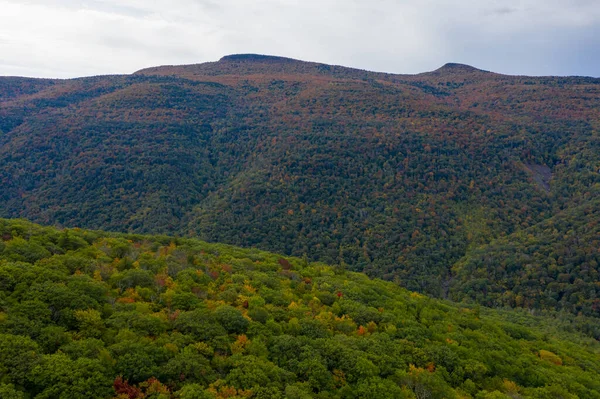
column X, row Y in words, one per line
column 459, row 183
column 123, row 316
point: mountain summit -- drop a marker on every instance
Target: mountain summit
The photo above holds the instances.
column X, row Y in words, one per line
column 255, row 58
column 458, row 69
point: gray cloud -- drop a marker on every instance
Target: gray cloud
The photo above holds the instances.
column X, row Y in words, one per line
column 67, row 38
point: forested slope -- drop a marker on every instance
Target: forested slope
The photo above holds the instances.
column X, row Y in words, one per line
column 400, row 176
column 552, row 265
column 91, row 314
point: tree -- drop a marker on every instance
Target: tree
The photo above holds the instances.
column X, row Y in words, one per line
column 18, row 356
column 231, row 319
column 190, row 366
column 195, row 391
column 57, row 376
column 8, row 391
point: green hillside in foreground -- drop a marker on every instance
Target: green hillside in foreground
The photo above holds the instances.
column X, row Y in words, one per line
column 399, row 176
column 88, row 314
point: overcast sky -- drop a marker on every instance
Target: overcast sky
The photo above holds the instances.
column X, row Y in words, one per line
column 70, row 38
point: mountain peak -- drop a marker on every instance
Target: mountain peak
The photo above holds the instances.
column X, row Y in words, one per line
column 255, row 58
column 453, row 67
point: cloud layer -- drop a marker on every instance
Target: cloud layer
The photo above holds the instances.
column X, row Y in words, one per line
column 69, row 38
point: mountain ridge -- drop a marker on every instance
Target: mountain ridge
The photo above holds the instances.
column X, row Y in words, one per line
column 450, row 67
column 447, row 68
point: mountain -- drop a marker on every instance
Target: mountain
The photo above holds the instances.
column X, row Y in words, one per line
column 104, row 315
column 420, row 179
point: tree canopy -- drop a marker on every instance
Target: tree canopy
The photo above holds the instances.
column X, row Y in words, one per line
column 105, row 315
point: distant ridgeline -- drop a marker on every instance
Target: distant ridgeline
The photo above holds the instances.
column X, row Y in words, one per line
column 87, row 314
column 458, row 183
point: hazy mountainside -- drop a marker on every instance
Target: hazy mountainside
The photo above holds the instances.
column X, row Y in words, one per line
column 399, row 176
column 88, row 314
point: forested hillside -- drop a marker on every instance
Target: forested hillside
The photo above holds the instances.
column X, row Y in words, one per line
column 419, row 179
column 552, row 265
column 88, row 314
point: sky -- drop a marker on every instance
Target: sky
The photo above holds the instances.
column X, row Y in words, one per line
column 72, row 38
